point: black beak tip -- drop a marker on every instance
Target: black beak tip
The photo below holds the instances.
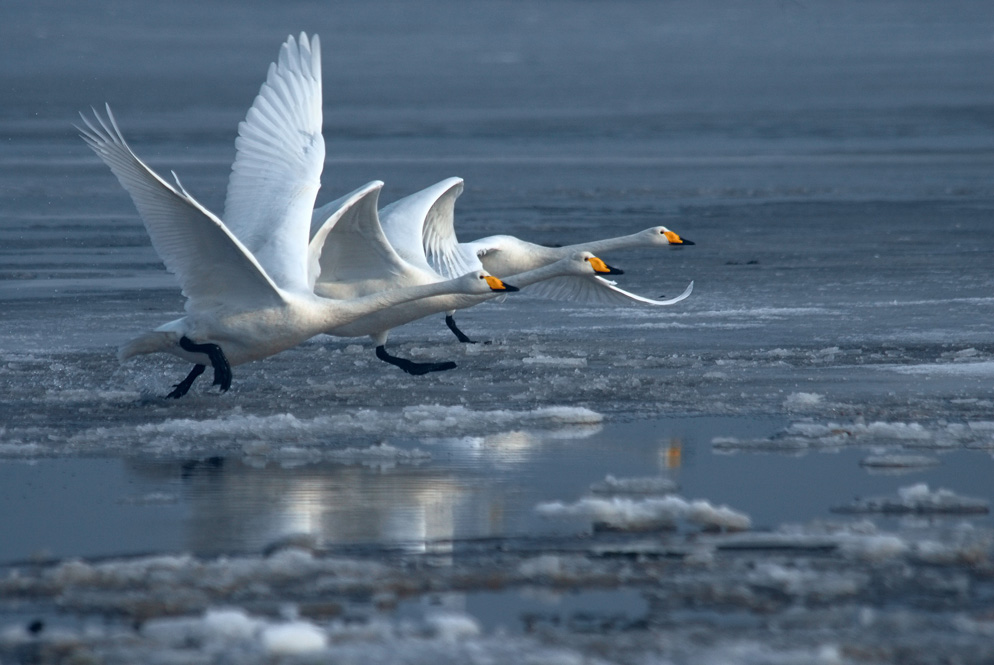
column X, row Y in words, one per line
column 687, row 242
column 510, row 289
column 615, row 271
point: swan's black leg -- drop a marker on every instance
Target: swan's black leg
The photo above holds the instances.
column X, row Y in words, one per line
column 410, row 366
column 460, row 335
column 222, row 370
column 183, row 386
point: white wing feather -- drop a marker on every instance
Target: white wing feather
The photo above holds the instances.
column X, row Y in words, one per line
column 595, row 291
column 278, row 162
column 213, row 267
column 324, row 219
column 355, row 251
column 421, row 229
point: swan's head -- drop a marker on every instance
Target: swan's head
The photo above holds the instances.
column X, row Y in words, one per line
column 587, row 262
column 660, row 235
column 481, row 281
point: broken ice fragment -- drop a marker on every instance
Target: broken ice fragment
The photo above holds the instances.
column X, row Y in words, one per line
column 918, row 499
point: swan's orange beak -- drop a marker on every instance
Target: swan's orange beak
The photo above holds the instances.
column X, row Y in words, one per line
column 603, row 268
column 677, row 240
column 497, row 285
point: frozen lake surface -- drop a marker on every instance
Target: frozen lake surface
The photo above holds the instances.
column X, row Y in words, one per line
column 793, row 465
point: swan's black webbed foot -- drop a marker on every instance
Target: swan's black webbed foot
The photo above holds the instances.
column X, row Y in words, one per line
column 184, row 386
column 410, row 366
column 460, row 335
column 222, row 370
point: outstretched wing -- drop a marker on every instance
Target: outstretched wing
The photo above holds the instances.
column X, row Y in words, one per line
column 278, row 162
column 213, row 267
column 353, row 256
column 420, row 227
column 595, row 290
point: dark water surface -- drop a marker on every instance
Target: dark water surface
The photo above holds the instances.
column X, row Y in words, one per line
column 833, row 162
column 453, row 490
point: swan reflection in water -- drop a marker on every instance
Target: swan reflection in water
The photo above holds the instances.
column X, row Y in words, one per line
column 461, row 492
column 238, row 506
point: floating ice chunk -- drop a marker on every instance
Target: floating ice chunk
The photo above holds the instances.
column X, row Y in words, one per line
column 452, row 627
column 959, row 367
column 918, row 499
column 750, row 653
column 151, row 499
column 899, row 461
column 215, row 630
column 20, row 449
column 875, row 547
column 963, row 546
column 230, row 624
column 962, row 355
column 801, row 400
column 981, row 425
column 635, row 515
column 218, row 630
column 805, row 582
column 901, row 431
column 546, row 565
column 802, row 435
column 553, row 361
column 382, row 452
column 295, row 637
column 458, row 417
column 87, row 395
column 643, row 485
column 285, row 432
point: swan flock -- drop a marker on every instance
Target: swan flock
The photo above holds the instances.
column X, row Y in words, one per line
column 274, row 270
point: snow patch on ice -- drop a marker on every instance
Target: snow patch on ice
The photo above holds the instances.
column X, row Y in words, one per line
column 382, row 452
column 68, row 396
column 918, row 499
column 230, row 624
column 452, row 627
column 287, row 433
column 956, row 368
column 650, row 513
column 802, row 400
column 643, row 485
column 218, row 630
column 899, row 461
column 151, row 499
column 553, row 361
column 804, row 435
column 295, row 637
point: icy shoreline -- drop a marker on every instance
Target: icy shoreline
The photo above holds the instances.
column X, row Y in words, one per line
column 296, row 602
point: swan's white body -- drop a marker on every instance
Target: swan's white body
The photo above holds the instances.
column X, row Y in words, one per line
column 248, row 286
column 422, row 225
column 357, row 260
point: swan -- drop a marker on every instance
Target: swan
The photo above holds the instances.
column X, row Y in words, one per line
column 421, row 228
column 356, row 259
column 241, row 304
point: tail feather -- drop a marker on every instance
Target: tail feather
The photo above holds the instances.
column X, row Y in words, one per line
column 150, row 342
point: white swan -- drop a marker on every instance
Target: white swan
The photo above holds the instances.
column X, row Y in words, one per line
column 357, row 260
column 421, row 228
column 352, row 259
column 237, row 309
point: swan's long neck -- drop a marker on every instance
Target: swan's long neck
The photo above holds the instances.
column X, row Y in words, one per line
column 605, row 245
column 537, row 275
column 342, row 312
